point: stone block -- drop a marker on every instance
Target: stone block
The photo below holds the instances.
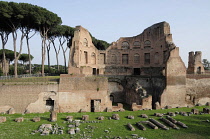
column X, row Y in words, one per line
column 69, row 118
column 101, row 118
column 36, row 119
column 53, row 116
column 71, row 131
column 11, row 111
column 157, row 105
column 116, row 116
column 3, row 119
column 195, row 111
column 130, row 117
column 85, row 117
column 143, row 116
column 20, row 119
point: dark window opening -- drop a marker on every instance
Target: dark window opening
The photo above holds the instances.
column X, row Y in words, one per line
column 136, row 71
column 111, row 98
column 94, row 71
column 49, row 102
column 147, row 58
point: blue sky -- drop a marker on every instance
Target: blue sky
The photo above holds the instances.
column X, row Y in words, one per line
column 111, row 19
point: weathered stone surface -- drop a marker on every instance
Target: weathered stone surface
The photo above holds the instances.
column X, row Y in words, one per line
column 140, row 126
column 101, row 118
column 208, row 104
column 130, row 117
column 20, row 119
column 71, row 131
column 182, row 124
column 168, row 107
column 169, row 123
column 158, row 124
column 11, row 111
column 195, row 111
column 143, row 116
column 171, row 114
column 53, row 116
column 171, row 119
column 85, row 117
column 77, row 130
column 157, row 105
column 130, row 127
column 158, row 114
column 3, row 119
column 36, row 119
column 69, row 118
column 115, row 116
column 206, row 110
column 153, row 126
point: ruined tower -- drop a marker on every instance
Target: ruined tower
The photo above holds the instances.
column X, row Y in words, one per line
column 195, row 65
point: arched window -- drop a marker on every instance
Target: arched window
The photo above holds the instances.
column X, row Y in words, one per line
column 113, row 59
column 125, row 45
column 85, row 42
column 147, row 44
column 93, row 58
column 136, row 43
column 136, row 58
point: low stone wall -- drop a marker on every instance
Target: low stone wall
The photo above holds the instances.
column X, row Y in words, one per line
column 19, row 96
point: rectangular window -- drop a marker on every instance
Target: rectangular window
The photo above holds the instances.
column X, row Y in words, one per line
column 124, row 58
column 147, row 58
column 86, row 57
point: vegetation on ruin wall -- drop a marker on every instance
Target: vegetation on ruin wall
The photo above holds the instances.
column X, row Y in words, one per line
column 197, row 128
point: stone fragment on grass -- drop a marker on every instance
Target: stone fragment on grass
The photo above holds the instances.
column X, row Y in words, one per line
column 130, row 127
column 115, row 116
column 182, row 124
column 53, row 116
column 144, row 116
column 130, row 117
column 140, row 126
column 3, row 119
column 85, row 117
column 195, row 111
column 158, row 124
column 171, row 119
column 169, row 123
column 36, row 119
column 71, row 131
column 101, row 118
column 11, row 111
column 20, row 119
column 158, row 114
column 69, row 118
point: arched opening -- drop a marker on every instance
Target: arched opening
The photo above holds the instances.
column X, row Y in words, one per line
column 85, row 42
column 147, row 44
column 111, row 98
column 50, row 104
column 125, row 45
column 199, row 70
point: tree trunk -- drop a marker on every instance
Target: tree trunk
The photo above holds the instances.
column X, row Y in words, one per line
column 48, row 56
column 64, row 57
column 29, row 53
column 43, row 54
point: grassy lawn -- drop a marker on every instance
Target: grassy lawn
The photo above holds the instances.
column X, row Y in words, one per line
column 197, row 128
column 33, row 79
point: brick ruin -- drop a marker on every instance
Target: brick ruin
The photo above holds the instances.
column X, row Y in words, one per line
column 144, row 71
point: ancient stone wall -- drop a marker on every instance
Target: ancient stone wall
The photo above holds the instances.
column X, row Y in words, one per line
column 175, row 72
column 19, row 96
column 195, row 65
column 198, row 91
column 77, row 93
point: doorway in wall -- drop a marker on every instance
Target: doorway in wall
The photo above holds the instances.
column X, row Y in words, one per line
column 50, row 104
column 94, row 71
column 95, row 105
column 199, row 70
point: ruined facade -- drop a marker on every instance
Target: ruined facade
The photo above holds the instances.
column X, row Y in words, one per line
column 144, row 71
column 195, row 65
